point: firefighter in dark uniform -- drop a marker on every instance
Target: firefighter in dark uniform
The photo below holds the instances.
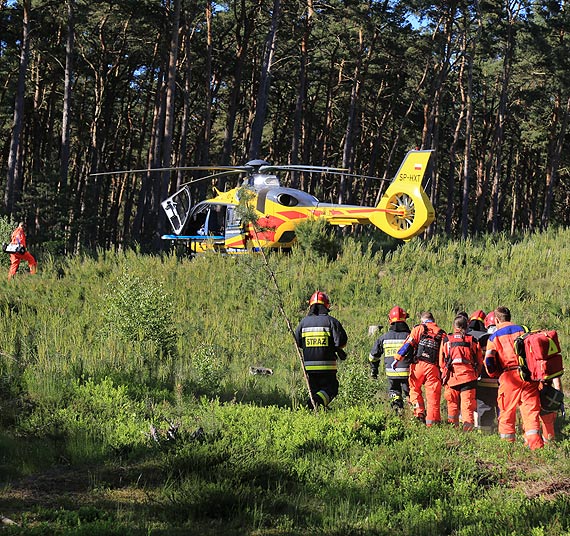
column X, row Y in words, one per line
column 322, row 339
column 386, row 346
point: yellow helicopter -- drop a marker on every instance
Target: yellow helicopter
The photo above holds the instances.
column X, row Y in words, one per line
column 403, row 212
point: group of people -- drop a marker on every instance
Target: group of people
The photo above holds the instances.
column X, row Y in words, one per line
column 475, row 365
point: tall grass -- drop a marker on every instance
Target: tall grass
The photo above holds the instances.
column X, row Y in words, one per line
column 96, row 350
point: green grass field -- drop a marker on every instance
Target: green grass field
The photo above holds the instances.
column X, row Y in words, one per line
column 97, row 352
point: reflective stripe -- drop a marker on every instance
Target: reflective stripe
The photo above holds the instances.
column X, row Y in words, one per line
column 430, row 422
column 403, row 374
column 325, row 365
column 509, row 437
column 459, row 360
column 317, row 329
column 324, row 397
column 460, row 344
column 532, row 432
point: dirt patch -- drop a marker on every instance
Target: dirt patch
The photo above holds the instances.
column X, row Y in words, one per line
column 549, row 490
column 71, row 487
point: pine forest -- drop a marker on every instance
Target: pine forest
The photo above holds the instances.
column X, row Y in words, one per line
column 95, row 86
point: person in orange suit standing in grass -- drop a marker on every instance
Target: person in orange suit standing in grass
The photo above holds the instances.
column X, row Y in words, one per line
column 422, row 346
column 22, row 254
column 460, row 360
column 501, row 361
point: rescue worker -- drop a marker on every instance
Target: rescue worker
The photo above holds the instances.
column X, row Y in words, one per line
column 322, row 338
column 501, row 361
column 422, row 347
column 460, row 360
column 19, row 238
column 387, row 345
column 487, row 387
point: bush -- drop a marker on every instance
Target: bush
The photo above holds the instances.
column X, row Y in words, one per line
column 141, row 311
column 317, row 237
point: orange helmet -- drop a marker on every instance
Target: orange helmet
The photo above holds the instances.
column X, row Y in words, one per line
column 478, row 315
column 320, row 297
column 490, row 319
column 397, row 314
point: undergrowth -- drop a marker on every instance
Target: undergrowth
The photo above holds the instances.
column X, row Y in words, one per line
column 138, row 367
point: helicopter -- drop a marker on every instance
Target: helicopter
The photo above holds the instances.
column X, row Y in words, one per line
column 215, row 224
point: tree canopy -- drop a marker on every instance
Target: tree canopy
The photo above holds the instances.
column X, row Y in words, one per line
column 142, row 84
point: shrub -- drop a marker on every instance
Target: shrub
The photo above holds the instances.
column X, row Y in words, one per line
column 317, row 237
column 141, row 311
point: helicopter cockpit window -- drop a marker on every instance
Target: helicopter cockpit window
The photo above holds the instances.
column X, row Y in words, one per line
column 289, row 197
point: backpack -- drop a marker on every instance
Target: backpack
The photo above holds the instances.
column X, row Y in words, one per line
column 428, row 347
column 539, row 355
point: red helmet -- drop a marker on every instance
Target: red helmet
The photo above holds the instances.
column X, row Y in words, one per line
column 397, row 314
column 490, row 319
column 320, row 297
column 478, row 315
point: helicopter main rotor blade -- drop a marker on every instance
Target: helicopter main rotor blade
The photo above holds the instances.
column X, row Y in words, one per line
column 215, row 176
column 234, row 169
column 320, row 169
column 308, row 169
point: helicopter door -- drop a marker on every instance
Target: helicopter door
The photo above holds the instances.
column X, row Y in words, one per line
column 233, row 223
column 207, row 219
column 177, row 208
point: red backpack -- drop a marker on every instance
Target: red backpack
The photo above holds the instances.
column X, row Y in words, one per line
column 539, row 355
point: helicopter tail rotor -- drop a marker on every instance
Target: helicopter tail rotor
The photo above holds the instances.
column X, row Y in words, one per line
column 406, row 209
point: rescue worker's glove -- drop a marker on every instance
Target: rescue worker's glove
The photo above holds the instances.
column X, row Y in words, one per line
column 341, row 354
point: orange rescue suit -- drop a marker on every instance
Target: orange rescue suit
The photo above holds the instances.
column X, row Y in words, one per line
column 423, row 372
column 19, row 238
column 501, row 361
column 460, row 360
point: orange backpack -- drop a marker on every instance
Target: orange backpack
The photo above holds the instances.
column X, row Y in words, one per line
column 539, row 355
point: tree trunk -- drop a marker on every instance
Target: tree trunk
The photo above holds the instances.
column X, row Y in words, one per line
column 169, row 120
column 10, row 194
column 554, row 154
column 301, row 92
column 264, row 84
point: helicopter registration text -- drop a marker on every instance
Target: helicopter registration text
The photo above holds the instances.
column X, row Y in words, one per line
column 416, row 177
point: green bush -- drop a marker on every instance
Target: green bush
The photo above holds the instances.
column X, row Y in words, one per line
column 318, row 238
column 141, row 310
